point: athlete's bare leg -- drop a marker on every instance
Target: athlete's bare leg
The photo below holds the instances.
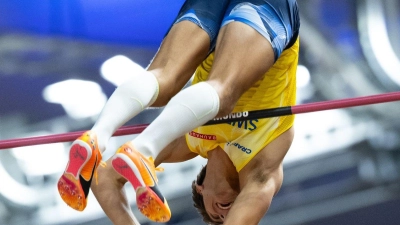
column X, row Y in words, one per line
column 171, row 68
column 176, row 60
column 242, row 57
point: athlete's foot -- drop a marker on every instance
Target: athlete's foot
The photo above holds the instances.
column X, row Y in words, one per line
column 141, row 173
column 84, row 158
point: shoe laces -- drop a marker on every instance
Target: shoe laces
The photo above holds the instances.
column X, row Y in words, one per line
column 102, row 164
column 158, row 169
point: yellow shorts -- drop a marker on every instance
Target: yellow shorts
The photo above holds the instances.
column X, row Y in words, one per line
column 244, row 139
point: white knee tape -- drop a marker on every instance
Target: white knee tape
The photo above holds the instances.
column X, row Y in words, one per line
column 190, row 108
column 143, row 88
column 156, row 85
column 201, row 99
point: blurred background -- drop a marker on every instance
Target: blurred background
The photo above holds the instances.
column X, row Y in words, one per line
column 61, row 59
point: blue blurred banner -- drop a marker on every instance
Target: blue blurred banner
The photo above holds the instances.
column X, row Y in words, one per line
column 133, row 22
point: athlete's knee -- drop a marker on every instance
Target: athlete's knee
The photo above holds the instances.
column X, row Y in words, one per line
column 227, row 104
column 161, row 101
column 227, row 97
column 166, row 89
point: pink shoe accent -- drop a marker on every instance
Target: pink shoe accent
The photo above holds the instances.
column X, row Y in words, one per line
column 78, row 156
column 125, row 170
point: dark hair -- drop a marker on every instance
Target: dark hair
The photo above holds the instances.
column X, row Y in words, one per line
column 198, row 198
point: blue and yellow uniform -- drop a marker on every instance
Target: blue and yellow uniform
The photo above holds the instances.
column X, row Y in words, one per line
column 243, row 140
column 278, row 21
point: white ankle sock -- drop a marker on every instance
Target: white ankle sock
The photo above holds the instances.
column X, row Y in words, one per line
column 128, row 100
column 191, row 108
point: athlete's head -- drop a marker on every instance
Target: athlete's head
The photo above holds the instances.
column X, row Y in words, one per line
column 198, row 198
column 211, row 203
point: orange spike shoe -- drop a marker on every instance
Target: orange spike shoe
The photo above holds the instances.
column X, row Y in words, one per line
column 84, row 158
column 141, row 173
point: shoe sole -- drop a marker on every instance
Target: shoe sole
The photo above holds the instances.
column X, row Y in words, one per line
column 69, row 185
column 148, row 202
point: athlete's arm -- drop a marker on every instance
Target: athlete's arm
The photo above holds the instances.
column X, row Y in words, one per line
column 176, row 151
column 260, row 180
column 111, row 196
column 255, row 198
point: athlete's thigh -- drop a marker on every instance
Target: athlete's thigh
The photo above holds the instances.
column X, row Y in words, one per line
column 277, row 21
column 187, row 43
column 207, row 14
column 252, row 37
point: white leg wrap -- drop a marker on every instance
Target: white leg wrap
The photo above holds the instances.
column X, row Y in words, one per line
column 128, row 100
column 191, row 108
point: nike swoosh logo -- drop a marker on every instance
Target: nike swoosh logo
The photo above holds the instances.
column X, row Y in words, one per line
column 148, row 170
column 86, row 184
column 155, row 187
